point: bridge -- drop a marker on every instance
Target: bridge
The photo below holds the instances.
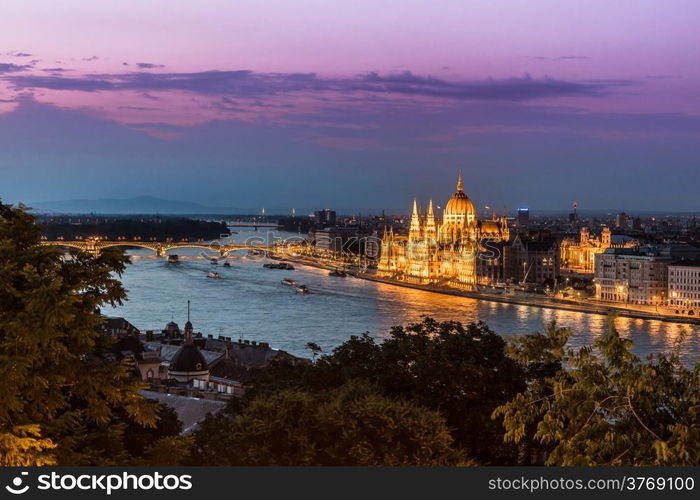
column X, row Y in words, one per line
column 95, row 246
column 247, row 223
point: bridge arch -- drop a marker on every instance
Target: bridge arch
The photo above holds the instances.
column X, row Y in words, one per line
column 160, row 248
column 67, row 244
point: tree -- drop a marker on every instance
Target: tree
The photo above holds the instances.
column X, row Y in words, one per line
column 59, row 390
column 602, row 405
column 314, row 348
column 463, row 372
column 351, row 425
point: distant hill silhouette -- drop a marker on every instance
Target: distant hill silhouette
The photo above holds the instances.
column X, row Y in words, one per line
column 136, row 205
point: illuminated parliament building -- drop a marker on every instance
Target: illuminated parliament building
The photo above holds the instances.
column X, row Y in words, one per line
column 445, row 251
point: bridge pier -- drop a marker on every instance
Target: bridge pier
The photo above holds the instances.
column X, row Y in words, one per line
column 91, row 248
column 161, row 252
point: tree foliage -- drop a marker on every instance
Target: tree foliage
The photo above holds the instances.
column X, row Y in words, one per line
column 463, row 372
column 602, row 405
column 62, row 400
column 351, row 425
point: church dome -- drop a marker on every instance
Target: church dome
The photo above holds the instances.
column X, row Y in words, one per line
column 459, row 204
column 188, row 359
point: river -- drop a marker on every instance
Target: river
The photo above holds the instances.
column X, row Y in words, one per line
column 249, row 302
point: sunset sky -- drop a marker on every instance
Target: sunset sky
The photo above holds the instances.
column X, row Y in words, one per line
column 355, row 105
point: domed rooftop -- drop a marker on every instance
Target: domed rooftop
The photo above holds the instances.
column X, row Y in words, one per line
column 172, row 330
column 459, row 203
column 490, row 227
column 188, row 359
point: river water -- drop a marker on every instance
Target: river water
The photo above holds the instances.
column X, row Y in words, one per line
column 250, row 302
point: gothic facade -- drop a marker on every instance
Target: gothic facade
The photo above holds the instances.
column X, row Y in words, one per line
column 447, row 251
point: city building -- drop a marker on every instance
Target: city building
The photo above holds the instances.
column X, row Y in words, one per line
column 684, row 286
column 533, row 257
column 117, row 327
column 325, row 218
column 441, row 251
column 578, row 255
column 340, row 239
column 188, row 363
column 622, row 221
column 523, row 216
column 490, row 262
column 636, row 275
column 373, row 246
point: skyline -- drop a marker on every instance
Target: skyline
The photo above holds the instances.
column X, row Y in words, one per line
column 353, row 107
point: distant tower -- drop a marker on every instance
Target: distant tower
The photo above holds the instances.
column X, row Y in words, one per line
column 573, row 216
column 585, row 235
column 188, row 326
column 188, row 363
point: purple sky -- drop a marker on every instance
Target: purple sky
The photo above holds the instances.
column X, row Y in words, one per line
column 355, row 105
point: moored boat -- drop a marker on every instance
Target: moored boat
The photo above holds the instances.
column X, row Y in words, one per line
column 214, row 261
column 214, row 275
column 289, row 282
column 338, row 273
column 282, row 265
column 303, row 289
column 173, row 259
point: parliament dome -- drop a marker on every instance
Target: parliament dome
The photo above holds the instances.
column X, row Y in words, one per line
column 459, row 204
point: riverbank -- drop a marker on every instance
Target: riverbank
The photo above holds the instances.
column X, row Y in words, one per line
column 529, row 300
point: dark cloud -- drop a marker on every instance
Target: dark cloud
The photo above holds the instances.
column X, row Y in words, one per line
column 143, row 65
column 244, row 83
column 13, row 68
column 85, row 84
column 138, row 108
column 22, row 54
column 91, row 58
column 55, row 70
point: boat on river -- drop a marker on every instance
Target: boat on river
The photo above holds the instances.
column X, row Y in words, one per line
column 282, row 265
